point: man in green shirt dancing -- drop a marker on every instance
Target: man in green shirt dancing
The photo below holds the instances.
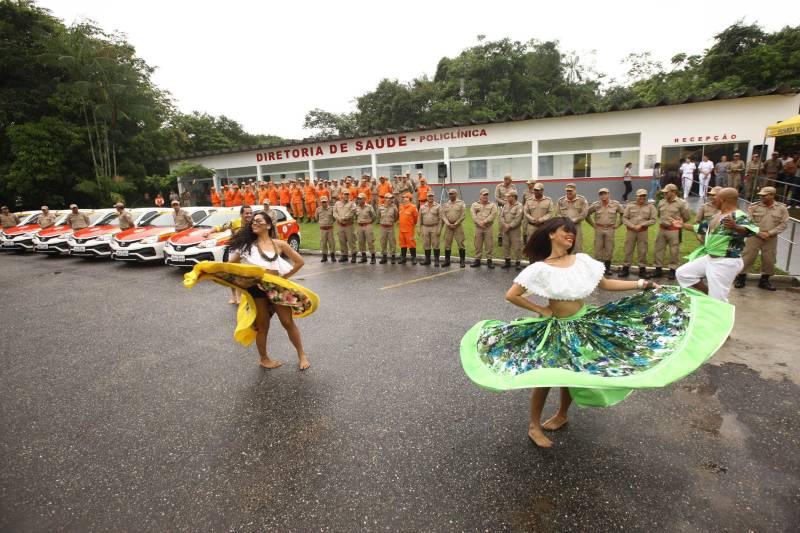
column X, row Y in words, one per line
column 720, row 257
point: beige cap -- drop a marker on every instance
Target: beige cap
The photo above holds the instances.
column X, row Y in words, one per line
column 452, row 191
column 766, row 190
column 531, row 181
column 507, row 176
column 346, row 191
column 713, row 191
column 388, row 195
column 602, row 189
column 323, row 199
column 362, row 196
column 431, row 193
column 73, row 206
column 641, row 192
column 119, row 204
column 570, row 187
column 538, row 187
column 484, row 191
column 174, row 202
column 670, row 187
column 512, row 192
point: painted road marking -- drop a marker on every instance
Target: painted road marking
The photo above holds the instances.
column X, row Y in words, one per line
column 323, row 271
column 417, row 280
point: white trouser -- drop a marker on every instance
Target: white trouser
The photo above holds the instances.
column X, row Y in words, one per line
column 687, row 186
column 704, row 185
column 718, row 271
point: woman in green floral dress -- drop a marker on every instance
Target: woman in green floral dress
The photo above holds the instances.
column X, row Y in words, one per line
column 597, row 355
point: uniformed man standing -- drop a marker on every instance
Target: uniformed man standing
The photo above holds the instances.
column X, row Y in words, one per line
column 344, row 212
column 125, row 217
column 7, row 218
column 708, row 210
column 575, row 207
column 453, row 214
column 736, row 171
column 407, row 216
column 753, row 171
column 430, row 228
column 637, row 217
column 388, row 216
column 537, row 209
column 365, row 216
column 605, row 216
column 47, row 218
column 483, row 214
column 529, row 193
column 183, row 220
column 78, row 220
column 500, row 193
column 324, row 217
column 772, row 218
column 669, row 208
column 511, row 218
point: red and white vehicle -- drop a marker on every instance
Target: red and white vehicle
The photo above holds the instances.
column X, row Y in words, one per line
column 208, row 240
column 20, row 238
column 95, row 241
column 146, row 242
column 53, row 240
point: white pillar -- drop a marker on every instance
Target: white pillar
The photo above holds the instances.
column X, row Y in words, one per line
column 311, row 169
column 217, row 182
column 534, row 159
column 259, row 177
column 374, row 163
column 447, row 163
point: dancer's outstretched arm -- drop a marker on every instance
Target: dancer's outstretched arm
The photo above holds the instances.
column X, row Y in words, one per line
column 620, row 285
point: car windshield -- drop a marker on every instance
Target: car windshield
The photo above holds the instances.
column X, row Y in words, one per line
column 109, row 219
column 217, row 219
column 165, row 220
column 93, row 218
column 62, row 218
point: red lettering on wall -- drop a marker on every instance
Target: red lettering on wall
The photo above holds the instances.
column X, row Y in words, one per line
column 401, row 141
column 343, row 147
column 359, row 146
column 259, row 158
column 332, row 149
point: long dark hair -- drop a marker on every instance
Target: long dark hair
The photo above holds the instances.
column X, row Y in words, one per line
column 244, row 238
column 539, row 247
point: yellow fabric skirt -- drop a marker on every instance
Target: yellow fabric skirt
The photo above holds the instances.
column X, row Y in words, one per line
column 280, row 291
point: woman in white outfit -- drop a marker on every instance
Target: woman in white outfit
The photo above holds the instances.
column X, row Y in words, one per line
column 687, row 176
column 705, row 167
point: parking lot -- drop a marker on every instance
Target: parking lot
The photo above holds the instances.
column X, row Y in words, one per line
column 126, row 405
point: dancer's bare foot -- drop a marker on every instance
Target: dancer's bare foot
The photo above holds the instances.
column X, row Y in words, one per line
column 231, row 300
column 268, row 363
column 555, row 422
column 303, row 362
column 538, row 438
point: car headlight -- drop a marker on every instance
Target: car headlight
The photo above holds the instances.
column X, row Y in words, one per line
column 208, row 243
column 150, row 240
column 29, row 234
column 104, row 238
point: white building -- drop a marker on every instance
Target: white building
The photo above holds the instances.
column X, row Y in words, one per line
column 585, row 149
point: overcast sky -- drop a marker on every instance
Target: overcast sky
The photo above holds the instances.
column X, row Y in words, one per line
column 265, row 64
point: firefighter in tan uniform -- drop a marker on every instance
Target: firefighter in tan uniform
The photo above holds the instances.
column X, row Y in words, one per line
column 125, row 217
column 575, row 207
column 537, row 209
column 637, row 217
column 454, row 211
column 47, row 218
column 183, row 220
column 344, row 212
column 365, row 216
column 324, row 217
column 707, row 210
column 388, row 216
column 7, row 218
column 511, row 218
column 605, row 216
column 500, row 197
column 483, row 214
column 430, row 228
column 670, row 207
column 529, row 192
column 76, row 220
column 772, row 218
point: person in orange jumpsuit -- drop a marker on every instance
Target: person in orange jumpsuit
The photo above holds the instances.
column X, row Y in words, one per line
column 422, row 191
column 273, row 194
column 384, row 187
column 284, row 195
column 227, row 192
column 311, row 200
column 297, row 201
column 323, row 190
column 408, row 222
column 237, row 198
column 263, row 194
column 365, row 189
column 249, row 195
column 215, row 201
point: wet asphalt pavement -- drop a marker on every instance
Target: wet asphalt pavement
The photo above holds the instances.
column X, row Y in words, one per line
column 126, row 405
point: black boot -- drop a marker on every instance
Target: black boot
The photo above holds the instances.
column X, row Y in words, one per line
column 643, row 272
column 392, row 259
column 427, row 260
column 372, row 259
column 363, row 257
column 324, row 258
column 626, row 271
column 489, row 263
column 353, row 257
column 384, row 259
column 658, row 272
column 446, row 258
column 475, row 264
column 343, row 259
column 671, row 274
column 436, row 257
column 518, row 265
column 462, row 258
column 608, row 268
column 764, row 283
column 506, row 264
column 403, row 252
column 741, row 279
column 413, row 255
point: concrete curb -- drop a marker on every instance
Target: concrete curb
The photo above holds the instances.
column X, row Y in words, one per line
column 782, row 279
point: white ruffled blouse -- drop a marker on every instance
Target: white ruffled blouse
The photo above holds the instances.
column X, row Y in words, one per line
column 574, row 282
column 252, row 257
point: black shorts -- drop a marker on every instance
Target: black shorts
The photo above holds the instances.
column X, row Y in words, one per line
column 256, row 292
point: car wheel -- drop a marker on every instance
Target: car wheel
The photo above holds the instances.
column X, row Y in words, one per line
column 294, row 242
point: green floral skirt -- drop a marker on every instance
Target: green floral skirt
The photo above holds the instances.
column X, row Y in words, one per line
column 602, row 353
